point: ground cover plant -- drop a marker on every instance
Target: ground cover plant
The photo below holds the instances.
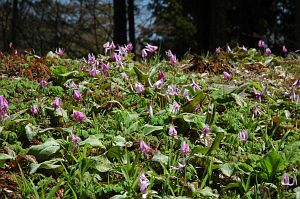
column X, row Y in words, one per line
column 220, row 125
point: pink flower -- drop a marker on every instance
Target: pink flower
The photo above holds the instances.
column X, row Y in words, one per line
column 93, row 71
column 172, row 90
column 150, row 110
column 78, row 116
column 243, row 135
column 284, row 50
column 75, row 139
column 159, row 84
column 129, row 47
column 108, row 46
column 144, row 53
column 91, row 59
column 144, row 148
column 268, row 51
column 173, row 132
column 3, row 106
column 139, row 87
column 59, row 51
column 73, row 86
column 226, row 75
column 218, row 50
column 104, row 67
column 151, row 48
column 171, row 56
column 56, row 103
column 195, row 86
column 175, row 107
column 124, row 75
column 205, row 130
column 185, row 94
column 77, row 95
column 118, row 59
column 185, row 149
column 43, row 83
column 34, row 109
column 257, row 95
column 286, row 180
column 261, row 44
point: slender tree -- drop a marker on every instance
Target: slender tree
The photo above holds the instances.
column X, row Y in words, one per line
column 131, row 23
column 120, row 31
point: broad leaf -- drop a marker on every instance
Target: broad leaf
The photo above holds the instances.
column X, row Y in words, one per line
column 44, row 151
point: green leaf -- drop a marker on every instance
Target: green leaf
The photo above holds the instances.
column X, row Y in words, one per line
column 227, row 169
column 121, row 142
column 216, row 143
column 4, row 156
column 161, row 158
column 273, row 163
column 207, row 192
column 50, row 164
column 115, row 152
column 102, row 163
column 31, row 131
column 142, row 77
column 199, row 97
column 44, row 151
column 61, row 113
column 239, row 100
column 148, row 129
column 94, row 141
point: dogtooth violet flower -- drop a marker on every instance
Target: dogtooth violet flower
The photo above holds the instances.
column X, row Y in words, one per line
column 173, row 132
column 108, row 46
column 34, row 109
column 129, row 47
column 268, row 51
column 151, row 48
column 78, row 116
column 161, row 75
column 171, row 56
column 175, row 107
column 195, row 86
column 205, row 130
column 56, row 103
column 75, row 139
column 150, row 110
column 104, row 67
column 286, row 180
column 158, row 84
column 243, row 135
column 257, row 95
column 91, row 59
column 172, row 90
column 261, row 44
column 144, row 148
column 77, row 95
column 144, row 53
column 218, row 50
column 59, row 51
column 284, row 49
column 139, row 87
column 226, row 75
column 124, row 75
column 185, row 149
column 93, row 71
column 43, row 83
column 143, row 183
column 3, row 106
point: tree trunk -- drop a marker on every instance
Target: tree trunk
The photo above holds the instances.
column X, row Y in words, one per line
column 14, row 21
column 297, row 25
column 131, row 23
column 120, row 36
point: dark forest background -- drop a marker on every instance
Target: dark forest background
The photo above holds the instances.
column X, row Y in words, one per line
column 83, row 26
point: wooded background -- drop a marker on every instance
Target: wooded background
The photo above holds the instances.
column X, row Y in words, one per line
column 82, row 26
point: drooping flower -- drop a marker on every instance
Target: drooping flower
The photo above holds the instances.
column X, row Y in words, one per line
column 43, row 83
column 34, row 109
column 144, row 53
column 104, row 68
column 75, row 139
column 150, row 110
column 151, row 48
column 93, row 71
column 268, row 51
column 158, row 84
column 261, row 44
column 73, row 86
column 228, row 49
column 172, row 90
column 180, row 167
column 144, row 148
column 118, row 59
column 195, row 86
column 173, row 132
column 77, row 95
column 3, row 106
column 171, row 56
column 139, row 87
column 123, row 50
column 91, row 59
column 205, row 130
column 143, row 183
column 78, row 116
column 124, row 75
column 129, row 47
column 175, row 107
column 257, row 95
column 185, row 94
column 226, row 75
column 285, row 181
column 56, row 103
column 59, row 51
column 243, row 135
column 108, row 46
column 256, row 112
column 284, row 49
column 218, row 50
column 185, row 149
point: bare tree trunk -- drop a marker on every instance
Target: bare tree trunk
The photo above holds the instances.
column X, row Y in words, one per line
column 120, row 30
column 14, row 21
column 131, row 23
column 297, row 25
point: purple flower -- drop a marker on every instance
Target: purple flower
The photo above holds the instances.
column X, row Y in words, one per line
column 296, row 84
column 243, row 135
column 284, row 50
column 261, row 44
column 195, row 86
column 171, row 56
column 244, row 48
column 34, row 109
column 185, row 149
column 124, row 75
column 139, row 87
column 228, row 49
column 91, row 59
column 104, row 67
column 159, row 84
column 226, row 75
column 175, row 107
column 185, row 94
column 59, row 51
column 257, row 95
column 3, row 106
column 108, row 46
column 256, row 112
column 118, row 59
column 205, row 130
column 93, row 71
column 286, row 180
column 173, row 132
column 150, row 110
column 43, row 83
column 75, row 139
column 144, row 148
column 78, row 116
column 143, row 183
column 56, row 103
column 151, row 48
column 172, row 90
column 129, row 47
column 123, row 50
column 77, row 95
column 218, row 50
column 161, row 75
column 73, row 86
column 268, row 51
column 144, row 53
